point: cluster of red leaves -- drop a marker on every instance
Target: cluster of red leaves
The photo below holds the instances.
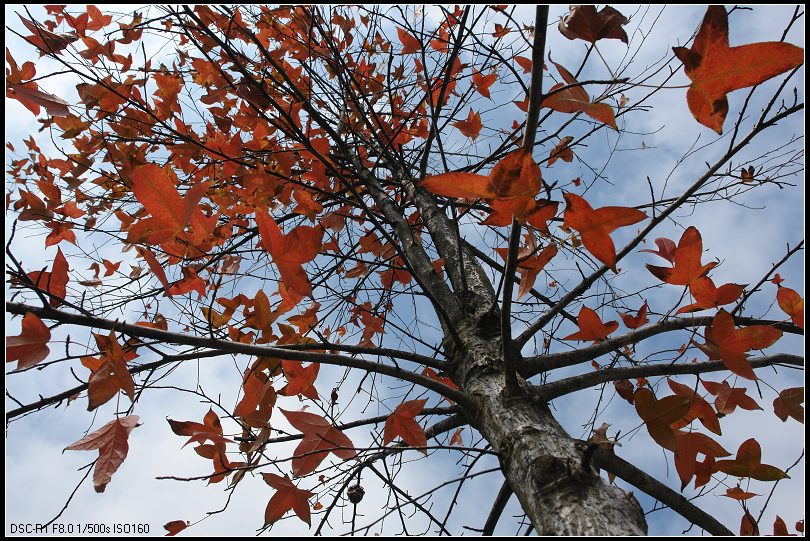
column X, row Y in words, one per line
column 664, row 419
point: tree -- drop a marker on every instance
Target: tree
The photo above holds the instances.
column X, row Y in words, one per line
column 379, row 202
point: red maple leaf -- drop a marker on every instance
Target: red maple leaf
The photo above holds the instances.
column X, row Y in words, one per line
column 287, row 497
column 636, row 321
column 585, row 23
column 31, row 345
column 748, row 463
column 112, row 442
column 482, row 82
column 156, row 189
column 320, row 439
column 687, row 267
column 707, row 295
column 209, row 429
column 792, row 304
column 470, row 127
column 725, row 342
column 110, row 373
column 591, row 326
column 300, row 379
column 789, row 404
column 717, row 69
column 54, row 282
column 409, row 43
column 290, row 251
column 575, row 99
column 175, row 527
column 402, row 423
column 595, row 225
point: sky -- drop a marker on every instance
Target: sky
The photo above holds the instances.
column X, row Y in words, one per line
column 746, row 236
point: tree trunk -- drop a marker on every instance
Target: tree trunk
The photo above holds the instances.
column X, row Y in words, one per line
column 541, row 462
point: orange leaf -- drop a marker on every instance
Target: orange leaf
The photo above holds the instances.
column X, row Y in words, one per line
column 403, row 423
column 686, row 260
column 483, row 82
column 155, row 267
column 157, row 191
column 33, row 98
column 529, row 265
column 748, row 464
column 54, row 282
column 636, row 321
column 789, row 404
column 666, row 249
column 698, row 408
column 409, row 43
column 525, row 63
column 45, row 40
column 31, row 345
column 111, row 375
column 728, row 398
column 290, row 251
column 444, row 379
column 624, row 388
column 209, row 429
column 585, row 23
column 660, row 414
column 112, row 442
column 739, row 494
column 300, row 380
column 792, row 304
column 728, row 344
column 470, row 127
column 256, row 385
column 320, row 439
column 748, row 525
column 500, row 31
column 779, row 526
column 717, row 69
column 287, row 497
column 576, row 99
column 687, row 447
column 595, row 225
column 707, row 295
column 60, row 231
column 561, row 152
column 591, row 327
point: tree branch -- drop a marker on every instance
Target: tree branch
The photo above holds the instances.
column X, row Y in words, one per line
column 235, row 347
column 585, row 284
column 532, row 117
column 584, row 381
column 497, row 508
column 532, row 366
column 609, row 461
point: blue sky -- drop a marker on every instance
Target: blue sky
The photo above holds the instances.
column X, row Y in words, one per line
column 746, row 235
